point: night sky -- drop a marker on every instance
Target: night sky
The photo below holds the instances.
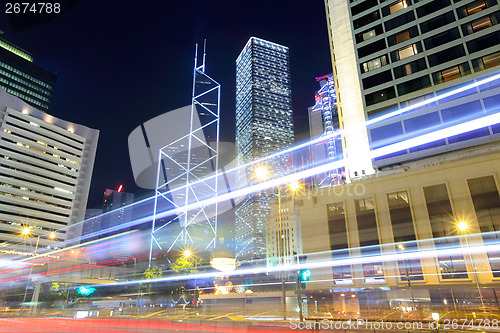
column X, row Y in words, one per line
column 120, row 64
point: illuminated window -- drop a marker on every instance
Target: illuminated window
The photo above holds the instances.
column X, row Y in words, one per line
column 481, row 24
column 491, row 60
column 403, row 36
column 374, row 63
column 476, row 7
column 369, row 34
column 397, row 6
column 407, row 51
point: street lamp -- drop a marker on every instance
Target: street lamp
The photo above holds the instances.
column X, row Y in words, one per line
column 262, row 173
column 408, row 279
column 463, row 227
column 26, row 232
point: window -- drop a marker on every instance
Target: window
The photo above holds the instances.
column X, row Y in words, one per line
column 475, row 7
column 442, row 38
column 452, row 267
column 486, row 202
column 432, row 7
column 484, row 42
column 380, row 96
column 399, row 21
column 407, row 51
column 401, row 218
column 486, row 62
column 410, row 68
column 437, row 22
column 451, row 73
column 410, row 269
column 371, row 48
column 367, row 19
column 377, row 79
column 481, row 24
column 413, row 85
column 365, row 5
column 403, row 36
column 439, row 211
column 338, row 240
column 369, row 34
column 446, row 55
column 398, row 5
column 374, row 64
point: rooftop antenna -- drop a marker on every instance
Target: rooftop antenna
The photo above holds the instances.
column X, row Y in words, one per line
column 196, row 58
column 204, row 54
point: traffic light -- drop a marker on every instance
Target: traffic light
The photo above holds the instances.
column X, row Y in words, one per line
column 304, row 275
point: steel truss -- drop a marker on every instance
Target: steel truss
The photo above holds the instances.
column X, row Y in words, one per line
column 196, row 180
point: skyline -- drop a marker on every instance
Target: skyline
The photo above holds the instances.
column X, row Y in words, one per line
column 99, row 65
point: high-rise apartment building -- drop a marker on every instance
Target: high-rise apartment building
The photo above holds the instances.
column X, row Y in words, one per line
column 45, row 171
column 20, row 77
column 264, row 125
column 390, row 55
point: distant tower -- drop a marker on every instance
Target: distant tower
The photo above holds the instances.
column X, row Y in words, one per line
column 114, row 201
column 187, row 177
column 20, row 77
column 324, row 122
column 264, row 125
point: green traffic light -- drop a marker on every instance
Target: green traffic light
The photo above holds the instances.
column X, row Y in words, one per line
column 305, row 274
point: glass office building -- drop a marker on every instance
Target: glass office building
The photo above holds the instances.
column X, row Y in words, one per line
column 264, row 125
column 20, row 77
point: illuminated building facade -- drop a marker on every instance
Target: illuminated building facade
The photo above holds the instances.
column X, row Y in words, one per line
column 20, row 77
column 324, row 122
column 290, row 225
column 45, row 171
column 388, row 56
column 410, row 221
column 114, row 201
column 264, row 125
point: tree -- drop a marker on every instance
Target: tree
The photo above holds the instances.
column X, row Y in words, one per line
column 151, row 273
column 189, row 264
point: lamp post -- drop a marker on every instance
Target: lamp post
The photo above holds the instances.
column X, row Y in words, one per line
column 187, row 254
column 463, row 227
column 262, row 173
column 408, row 278
column 26, row 232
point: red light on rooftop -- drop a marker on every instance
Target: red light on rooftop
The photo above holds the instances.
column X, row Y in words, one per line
column 120, row 188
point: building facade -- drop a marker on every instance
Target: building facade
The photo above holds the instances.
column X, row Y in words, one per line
column 264, row 125
column 290, row 229
column 116, row 209
column 20, row 77
column 391, row 56
column 45, row 171
column 395, row 238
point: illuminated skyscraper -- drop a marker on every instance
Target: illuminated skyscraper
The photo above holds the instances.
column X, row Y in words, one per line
column 391, row 55
column 264, row 125
column 20, row 77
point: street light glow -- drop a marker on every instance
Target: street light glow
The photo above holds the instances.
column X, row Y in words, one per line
column 187, row 253
column 25, row 231
column 462, row 226
column 294, row 186
column 52, row 235
column 261, row 172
